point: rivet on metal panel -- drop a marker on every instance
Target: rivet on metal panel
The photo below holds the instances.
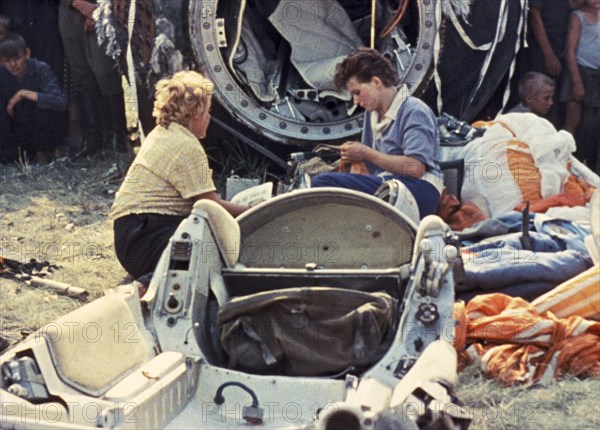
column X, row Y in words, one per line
column 220, row 33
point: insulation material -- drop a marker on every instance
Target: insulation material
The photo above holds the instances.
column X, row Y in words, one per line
column 460, row 8
column 166, row 59
column 259, row 68
column 105, row 29
column 316, row 49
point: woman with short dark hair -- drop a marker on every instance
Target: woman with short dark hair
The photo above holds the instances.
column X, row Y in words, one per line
column 399, row 137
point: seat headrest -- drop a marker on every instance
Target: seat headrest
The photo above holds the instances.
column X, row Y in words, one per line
column 224, row 227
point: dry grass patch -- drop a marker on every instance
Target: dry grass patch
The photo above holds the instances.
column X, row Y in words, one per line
column 57, row 213
column 566, row 404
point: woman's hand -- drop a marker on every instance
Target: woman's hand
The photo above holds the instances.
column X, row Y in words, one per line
column 354, row 152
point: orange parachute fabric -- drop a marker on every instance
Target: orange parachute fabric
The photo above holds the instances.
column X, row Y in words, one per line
column 577, row 296
column 516, row 344
column 524, row 170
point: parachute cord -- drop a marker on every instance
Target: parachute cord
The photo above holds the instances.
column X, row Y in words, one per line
column 373, row 11
column 436, row 57
column 522, row 26
column 500, row 31
column 394, row 22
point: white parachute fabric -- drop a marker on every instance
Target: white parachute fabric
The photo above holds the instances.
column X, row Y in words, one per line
column 489, row 181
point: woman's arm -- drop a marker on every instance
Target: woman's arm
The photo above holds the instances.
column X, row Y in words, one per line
column 355, row 152
column 573, row 33
column 233, row 209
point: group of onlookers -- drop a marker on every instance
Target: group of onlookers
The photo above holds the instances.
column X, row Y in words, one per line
column 42, row 96
column 562, row 79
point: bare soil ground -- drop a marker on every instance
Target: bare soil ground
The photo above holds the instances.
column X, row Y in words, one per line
column 58, row 213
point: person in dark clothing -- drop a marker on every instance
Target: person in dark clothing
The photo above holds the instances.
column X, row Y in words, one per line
column 548, row 22
column 97, row 83
column 31, row 103
column 37, row 22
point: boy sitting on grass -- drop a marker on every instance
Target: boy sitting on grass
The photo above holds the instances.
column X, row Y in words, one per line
column 32, row 104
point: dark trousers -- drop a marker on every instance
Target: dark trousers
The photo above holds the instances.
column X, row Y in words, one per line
column 97, row 83
column 90, row 66
column 31, row 129
column 140, row 240
column 425, row 194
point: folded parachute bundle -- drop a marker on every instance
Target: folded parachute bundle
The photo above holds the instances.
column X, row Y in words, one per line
column 517, row 343
column 522, row 158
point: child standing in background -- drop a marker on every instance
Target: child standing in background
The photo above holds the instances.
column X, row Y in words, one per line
column 549, row 23
column 582, row 84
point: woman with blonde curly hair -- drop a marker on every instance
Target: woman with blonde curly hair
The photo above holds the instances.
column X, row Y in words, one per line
column 168, row 175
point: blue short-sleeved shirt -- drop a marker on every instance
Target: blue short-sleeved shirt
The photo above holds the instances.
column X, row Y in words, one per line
column 413, row 133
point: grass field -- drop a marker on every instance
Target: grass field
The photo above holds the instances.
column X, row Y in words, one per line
column 59, row 213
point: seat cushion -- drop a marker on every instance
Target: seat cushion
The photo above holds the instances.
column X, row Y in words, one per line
column 97, row 344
